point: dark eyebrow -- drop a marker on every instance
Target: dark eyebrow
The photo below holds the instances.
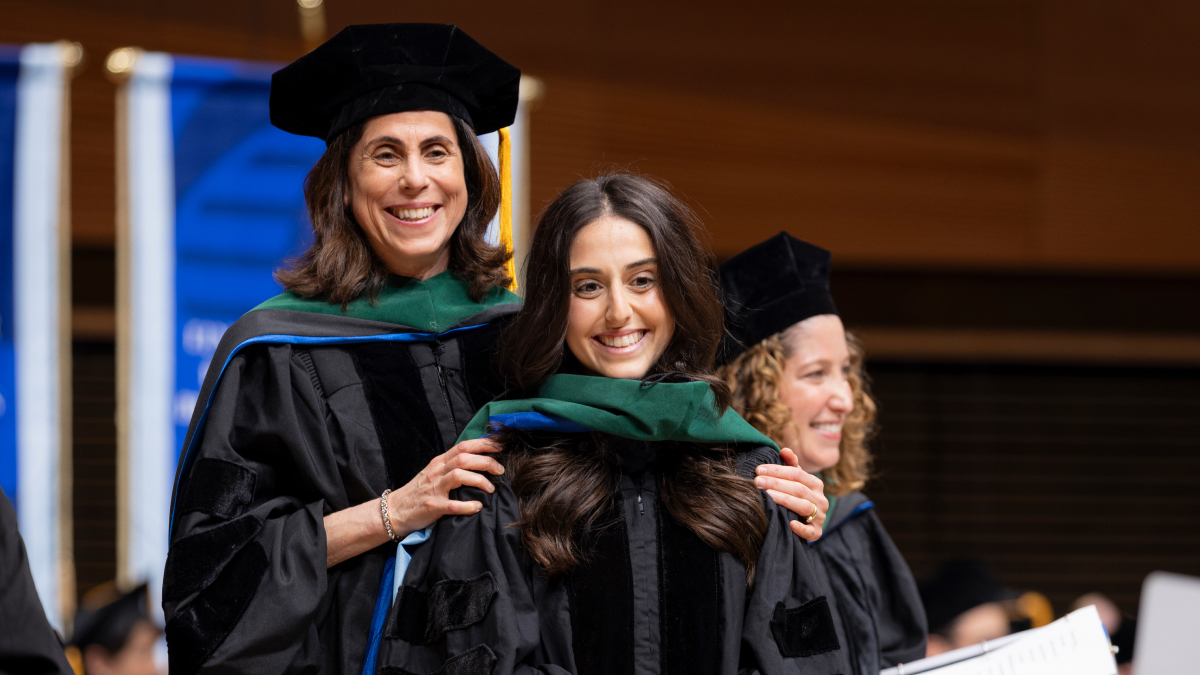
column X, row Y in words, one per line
column 437, row 139
column 385, row 139
column 396, row 141
column 593, row 270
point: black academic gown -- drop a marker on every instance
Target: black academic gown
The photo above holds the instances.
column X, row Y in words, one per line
column 880, row 618
column 309, row 414
column 28, row 644
column 649, row 597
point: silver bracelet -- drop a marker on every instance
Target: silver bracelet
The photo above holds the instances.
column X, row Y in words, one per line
column 387, row 521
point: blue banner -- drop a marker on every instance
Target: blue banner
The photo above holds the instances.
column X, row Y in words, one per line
column 10, row 66
column 33, row 84
column 239, row 207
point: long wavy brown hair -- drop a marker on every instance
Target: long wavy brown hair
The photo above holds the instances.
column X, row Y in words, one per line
column 341, row 265
column 755, row 377
column 566, row 483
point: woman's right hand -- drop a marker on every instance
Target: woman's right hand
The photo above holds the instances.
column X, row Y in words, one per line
column 415, row 506
column 426, row 498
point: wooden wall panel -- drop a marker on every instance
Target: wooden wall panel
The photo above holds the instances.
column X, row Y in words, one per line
column 921, row 139
column 872, row 191
column 1111, row 206
column 1121, row 73
column 93, row 159
column 1069, row 480
column 1043, row 134
column 94, row 464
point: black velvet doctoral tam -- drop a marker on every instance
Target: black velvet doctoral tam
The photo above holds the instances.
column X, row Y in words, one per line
column 771, row 286
column 379, row 69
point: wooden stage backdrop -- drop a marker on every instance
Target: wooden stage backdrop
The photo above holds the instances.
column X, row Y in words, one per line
column 1001, row 182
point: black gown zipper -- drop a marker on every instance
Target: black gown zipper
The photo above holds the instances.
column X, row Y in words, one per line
column 438, row 348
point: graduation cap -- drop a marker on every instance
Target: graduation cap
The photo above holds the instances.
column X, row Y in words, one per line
column 957, row 587
column 771, row 286
column 378, row 69
column 106, row 617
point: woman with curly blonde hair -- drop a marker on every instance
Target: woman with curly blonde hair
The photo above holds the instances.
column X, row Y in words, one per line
column 797, row 376
column 757, row 376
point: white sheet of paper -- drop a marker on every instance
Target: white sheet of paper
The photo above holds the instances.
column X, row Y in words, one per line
column 1074, row 645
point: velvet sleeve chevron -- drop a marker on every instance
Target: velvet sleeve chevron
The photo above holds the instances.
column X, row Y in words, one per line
column 245, row 586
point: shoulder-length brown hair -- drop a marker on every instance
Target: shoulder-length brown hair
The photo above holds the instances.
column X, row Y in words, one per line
column 341, row 265
column 755, row 377
column 566, row 484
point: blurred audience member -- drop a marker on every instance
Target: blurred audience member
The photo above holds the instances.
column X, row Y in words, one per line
column 27, row 643
column 114, row 634
column 1121, row 629
column 966, row 604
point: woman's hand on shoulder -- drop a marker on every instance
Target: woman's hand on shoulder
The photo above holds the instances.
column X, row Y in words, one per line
column 353, row 531
column 426, row 498
column 797, row 491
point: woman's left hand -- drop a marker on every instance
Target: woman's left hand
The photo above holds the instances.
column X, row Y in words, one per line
column 797, row 491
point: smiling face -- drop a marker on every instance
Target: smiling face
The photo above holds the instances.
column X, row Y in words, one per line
column 816, row 388
column 408, row 190
column 618, row 322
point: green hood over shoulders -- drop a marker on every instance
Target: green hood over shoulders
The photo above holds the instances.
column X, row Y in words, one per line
column 628, row 408
column 433, row 305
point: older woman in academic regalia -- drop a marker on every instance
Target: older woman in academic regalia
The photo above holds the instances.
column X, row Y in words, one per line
column 797, row 377
column 326, row 427
column 360, row 377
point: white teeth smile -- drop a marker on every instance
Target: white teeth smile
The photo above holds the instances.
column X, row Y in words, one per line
column 412, row 214
column 622, row 341
column 830, row 428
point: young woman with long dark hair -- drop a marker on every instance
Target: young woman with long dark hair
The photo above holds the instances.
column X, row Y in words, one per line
column 625, row 534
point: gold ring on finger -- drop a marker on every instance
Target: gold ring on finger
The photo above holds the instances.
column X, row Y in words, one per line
column 811, row 516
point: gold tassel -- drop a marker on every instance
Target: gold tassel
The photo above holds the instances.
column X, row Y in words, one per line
column 1036, row 607
column 506, row 200
column 74, row 659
